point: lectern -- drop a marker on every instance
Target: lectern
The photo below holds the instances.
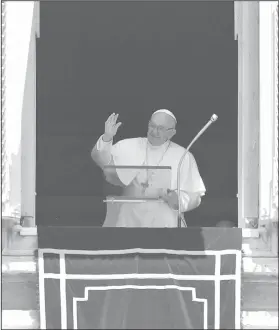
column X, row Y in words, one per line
column 139, row 197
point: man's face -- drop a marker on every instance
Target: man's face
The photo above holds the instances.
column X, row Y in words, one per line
column 161, row 128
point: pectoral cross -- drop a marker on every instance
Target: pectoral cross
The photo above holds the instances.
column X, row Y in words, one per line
column 144, row 185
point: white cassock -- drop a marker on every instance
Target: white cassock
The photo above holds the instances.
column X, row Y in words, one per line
column 132, row 152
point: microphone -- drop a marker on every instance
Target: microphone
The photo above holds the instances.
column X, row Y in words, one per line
column 180, row 214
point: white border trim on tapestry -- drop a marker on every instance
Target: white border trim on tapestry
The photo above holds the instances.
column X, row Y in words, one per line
column 141, row 287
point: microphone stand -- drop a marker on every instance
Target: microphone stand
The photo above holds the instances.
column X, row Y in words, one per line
column 180, row 214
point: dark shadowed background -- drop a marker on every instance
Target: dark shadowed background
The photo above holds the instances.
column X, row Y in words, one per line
column 95, row 58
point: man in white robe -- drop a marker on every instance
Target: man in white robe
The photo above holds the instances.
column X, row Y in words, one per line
column 156, row 149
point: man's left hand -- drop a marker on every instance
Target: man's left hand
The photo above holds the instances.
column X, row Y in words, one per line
column 171, row 198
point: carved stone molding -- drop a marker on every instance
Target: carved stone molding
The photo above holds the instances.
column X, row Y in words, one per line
column 4, row 160
column 247, row 35
column 274, row 188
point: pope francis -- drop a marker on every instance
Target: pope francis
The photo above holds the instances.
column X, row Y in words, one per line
column 158, row 150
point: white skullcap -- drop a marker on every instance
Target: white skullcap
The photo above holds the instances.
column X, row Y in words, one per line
column 166, row 112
